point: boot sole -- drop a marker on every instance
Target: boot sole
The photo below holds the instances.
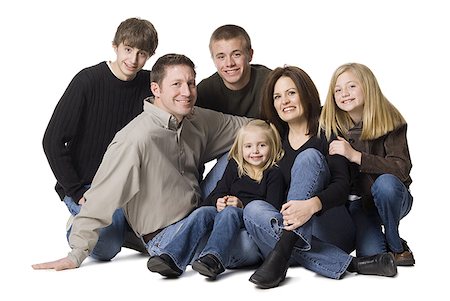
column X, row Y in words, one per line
column 157, row 265
column 203, row 270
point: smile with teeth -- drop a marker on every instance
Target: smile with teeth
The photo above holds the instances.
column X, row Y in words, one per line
column 231, row 72
column 346, row 101
column 288, row 109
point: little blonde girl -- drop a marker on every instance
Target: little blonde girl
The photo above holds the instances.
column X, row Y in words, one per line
column 251, row 174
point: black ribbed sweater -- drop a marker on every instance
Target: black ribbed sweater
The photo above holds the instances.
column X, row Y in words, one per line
column 94, row 107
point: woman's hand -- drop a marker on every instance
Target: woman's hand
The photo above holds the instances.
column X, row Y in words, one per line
column 297, row 212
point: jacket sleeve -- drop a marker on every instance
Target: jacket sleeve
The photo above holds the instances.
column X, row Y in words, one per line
column 114, row 185
column 61, row 130
column 221, row 131
column 396, row 161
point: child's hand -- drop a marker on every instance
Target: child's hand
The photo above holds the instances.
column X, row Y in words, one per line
column 221, row 204
column 234, row 201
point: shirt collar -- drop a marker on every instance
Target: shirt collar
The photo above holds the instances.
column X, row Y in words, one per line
column 166, row 119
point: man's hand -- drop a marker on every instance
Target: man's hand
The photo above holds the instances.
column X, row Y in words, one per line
column 58, row 265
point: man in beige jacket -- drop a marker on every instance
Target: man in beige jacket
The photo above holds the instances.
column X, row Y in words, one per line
column 150, row 170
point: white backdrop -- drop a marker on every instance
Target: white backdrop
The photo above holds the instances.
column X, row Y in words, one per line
column 45, row 43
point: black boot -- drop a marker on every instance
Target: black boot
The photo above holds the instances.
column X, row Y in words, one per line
column 209, row 266
column 164, row 265
column 272, row 272
column 380, row 264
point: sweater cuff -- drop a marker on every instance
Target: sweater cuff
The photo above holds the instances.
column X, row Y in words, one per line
column 79, row 193
column 78, row 256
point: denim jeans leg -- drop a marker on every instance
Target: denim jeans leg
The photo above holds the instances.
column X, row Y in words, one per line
column 227, row 224
column 264, row 225
column 369, row 238
column 243, row 252
column 110, row 239
column 215, row 174
column 181, row 240
column 309, row 175
column 393, row 201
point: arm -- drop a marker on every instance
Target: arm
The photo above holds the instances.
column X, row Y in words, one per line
column 221, row 130
column 61, row 130
column 396, row 161
column 276, row 188
column 394, row 145
column 115, row 183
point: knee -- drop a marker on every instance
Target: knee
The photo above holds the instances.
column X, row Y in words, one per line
column 310, row 156
column 206, row 213
column 385, row 186
column 254, row 208
column 231, row 212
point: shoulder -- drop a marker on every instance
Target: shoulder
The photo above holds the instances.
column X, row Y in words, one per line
column 91, row 74
column 141, row 129
column 260, row 68
column 260, row 71
column 144, row 75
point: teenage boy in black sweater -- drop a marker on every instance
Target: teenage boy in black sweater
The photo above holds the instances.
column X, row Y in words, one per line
column 98, row 102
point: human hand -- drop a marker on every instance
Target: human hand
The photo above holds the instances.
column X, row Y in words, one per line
column 221, row 204
column 57, row 265
column 342, row 147
column 82, row 201
column 234, row 201
column 297, row 212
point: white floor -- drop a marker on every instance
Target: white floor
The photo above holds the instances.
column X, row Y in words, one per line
column 127, row 277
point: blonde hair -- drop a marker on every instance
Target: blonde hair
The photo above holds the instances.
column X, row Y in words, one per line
column 379, row 115
column 273, row 139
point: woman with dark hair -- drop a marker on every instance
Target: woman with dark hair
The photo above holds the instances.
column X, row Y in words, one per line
column 313, row 227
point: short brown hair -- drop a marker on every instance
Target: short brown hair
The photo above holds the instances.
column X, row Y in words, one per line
column 228, row 32
column 139, row 33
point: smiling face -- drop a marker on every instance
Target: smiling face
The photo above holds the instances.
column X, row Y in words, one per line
column 255, row 147
column 177, row 92
column 349, row 95
column 232, row 60
column 286, row 100
column 129, row 61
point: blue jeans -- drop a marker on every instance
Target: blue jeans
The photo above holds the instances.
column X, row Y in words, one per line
column 181, row 239
column 214, row 175
column 309, row 174
column 392, row 201
column 305, row 183
column 229, row 240
column 111, row 238
column 185, row 240
column 264, row 224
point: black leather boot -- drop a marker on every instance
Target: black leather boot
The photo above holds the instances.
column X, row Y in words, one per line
column 272, row 272
column 380, row 264
column 209, row 266
column 164, row 265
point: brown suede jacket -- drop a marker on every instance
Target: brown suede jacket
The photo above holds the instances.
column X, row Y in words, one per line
column 388, row 154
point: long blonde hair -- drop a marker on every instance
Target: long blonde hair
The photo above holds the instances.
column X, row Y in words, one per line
column 273, row 139
column 379, row 115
